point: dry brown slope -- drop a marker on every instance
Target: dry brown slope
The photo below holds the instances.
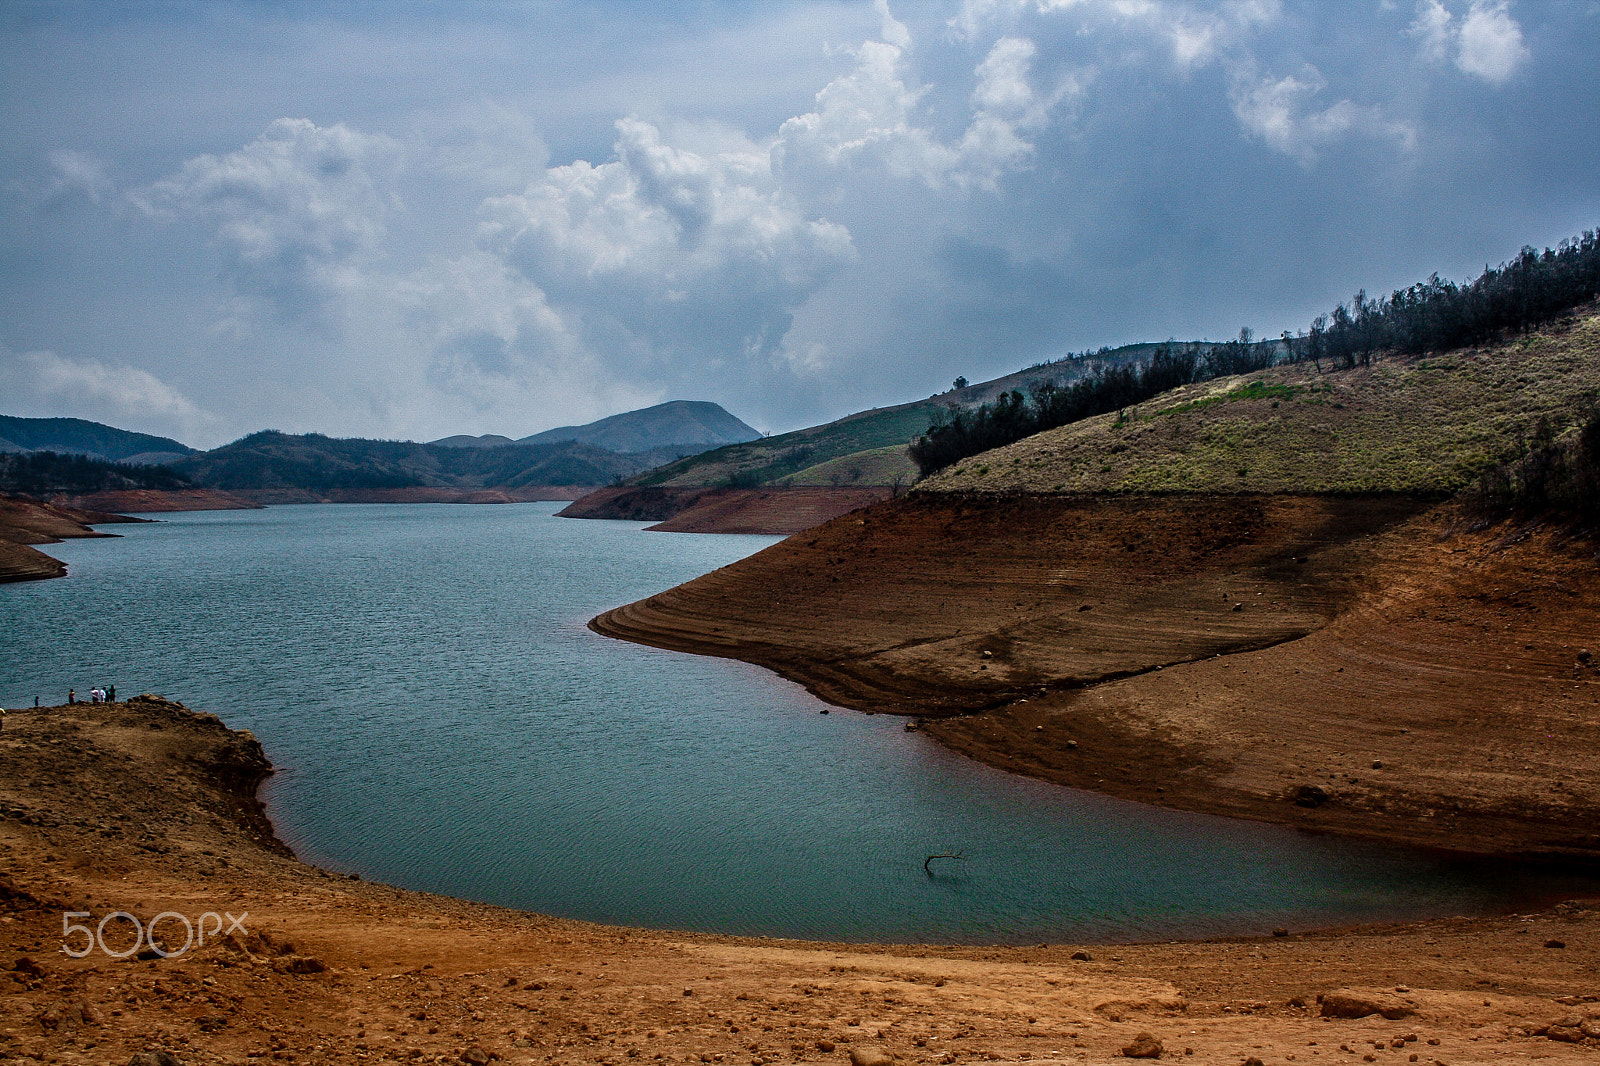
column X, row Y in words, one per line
column 765, row 510
column 1212, row 653
column 25, row 521
column 144, row 807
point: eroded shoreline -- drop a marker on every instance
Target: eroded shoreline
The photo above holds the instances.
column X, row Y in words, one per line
column 146, row 807
column 1360, row 665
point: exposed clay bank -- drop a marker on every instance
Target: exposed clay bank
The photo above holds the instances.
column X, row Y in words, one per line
column 1356, row 664
column 443, row 720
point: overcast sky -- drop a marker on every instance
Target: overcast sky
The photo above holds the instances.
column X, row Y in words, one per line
column 416, row 219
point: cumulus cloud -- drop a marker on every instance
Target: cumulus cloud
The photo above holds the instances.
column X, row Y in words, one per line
column 1194, row 35
column 295, row 211
column 1491, row 45
column 43, row 384
column 868, row 121
column 1485, row 43
column 1279, row 112
column 666, row 251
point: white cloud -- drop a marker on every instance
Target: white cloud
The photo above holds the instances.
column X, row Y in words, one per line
column 1485, row 43
column 867, row 121
column 295, row 210
column 891, row 29
column 1275, row 110
column 667, row 251
column 43, row 384
column 79, row 173
column 1491, row 43
column 1278, row 112
column 1435, row 30
column 1194, row 34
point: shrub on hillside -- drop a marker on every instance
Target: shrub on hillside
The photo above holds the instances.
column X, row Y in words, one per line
column 1554, row 476
column 47, row 473
column 1520, row 295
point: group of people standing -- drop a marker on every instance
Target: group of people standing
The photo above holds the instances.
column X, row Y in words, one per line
column 108, row 694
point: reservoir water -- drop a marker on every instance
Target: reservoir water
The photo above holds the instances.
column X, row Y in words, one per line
column 444, row 721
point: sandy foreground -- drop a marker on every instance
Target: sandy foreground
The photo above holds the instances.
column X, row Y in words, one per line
column 146, row 807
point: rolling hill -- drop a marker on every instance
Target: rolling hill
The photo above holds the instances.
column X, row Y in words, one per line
column 78, row 436
column 282, row 467
column 1418, row 424
column 688, row 426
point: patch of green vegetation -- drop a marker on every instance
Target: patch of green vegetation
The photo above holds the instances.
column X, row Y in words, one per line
column 879, row 466
column 794, row 455
column 1253, row 390
column 1427, row 425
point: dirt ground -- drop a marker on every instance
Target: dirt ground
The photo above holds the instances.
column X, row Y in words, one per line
column 147, row 808
column 767, row 509
column 25, row 521
column 1363, row 665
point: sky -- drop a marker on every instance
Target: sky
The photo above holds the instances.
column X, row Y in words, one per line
column 409, row 220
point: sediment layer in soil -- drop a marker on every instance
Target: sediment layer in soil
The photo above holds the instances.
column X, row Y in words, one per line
column 769, row 510
column 25, row 521
column 1363, row 665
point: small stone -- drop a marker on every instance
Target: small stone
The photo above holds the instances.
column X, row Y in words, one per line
column 1377, row 764
column 1310, row 796
column 870, row 1056
column 1082, row 956
column 1349, row 1004
column 825, row 1045
column 475, row 1056
column 154, row 1058
column 1280, row 932
column 1144, row 1046
column 1555, row 943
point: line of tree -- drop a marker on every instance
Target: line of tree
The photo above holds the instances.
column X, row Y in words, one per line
column 1012, row 416
column 47, row 473
column 1518, row 296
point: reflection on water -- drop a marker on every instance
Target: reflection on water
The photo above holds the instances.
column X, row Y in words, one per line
column 445, row 721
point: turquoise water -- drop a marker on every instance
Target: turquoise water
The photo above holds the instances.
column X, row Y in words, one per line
column 444, row 721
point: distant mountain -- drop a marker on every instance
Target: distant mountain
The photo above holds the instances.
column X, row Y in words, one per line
column 867, row 448
column 78, row 436
column 685, row 426
column 273, row 461
column 463, row 440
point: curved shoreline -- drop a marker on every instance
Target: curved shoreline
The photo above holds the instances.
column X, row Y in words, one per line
column 144, row 807
column 1341, row 664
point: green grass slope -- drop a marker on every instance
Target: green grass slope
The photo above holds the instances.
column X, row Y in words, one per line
column 867, row 448
column 781, row 458
column 1422, row 424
